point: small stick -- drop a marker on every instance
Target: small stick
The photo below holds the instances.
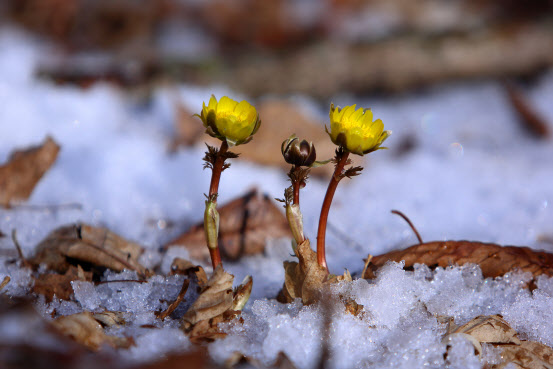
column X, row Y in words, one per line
column 18, row 248
column 367, row 262
column 527, row 114
column 397, row 212
column 6, row 280
column 177, row 302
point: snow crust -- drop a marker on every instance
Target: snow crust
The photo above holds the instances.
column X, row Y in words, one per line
column 473, row 174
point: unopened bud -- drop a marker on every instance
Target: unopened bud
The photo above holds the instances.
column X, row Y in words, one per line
column 298, row 153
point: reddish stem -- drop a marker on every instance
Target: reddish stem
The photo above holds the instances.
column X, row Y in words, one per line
column 214, row 190
column 217, row 169
column 296, row 186
column 321, row 233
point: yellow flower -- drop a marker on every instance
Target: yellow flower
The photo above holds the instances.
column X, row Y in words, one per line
column 355, row 130
column 230, row 120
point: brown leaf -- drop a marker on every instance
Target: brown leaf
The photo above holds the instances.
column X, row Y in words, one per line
column 494, row 330
column 97, row 246
column 84, row 329
column 494, row 260
column 306, row 278
column 19, row 176
column 185, row 267
column 207, row 330
column 529, row 355
column 246, row 224
column 485, row 329
column 110, row 318
column 48, row 284
column 197, row 359
column 214, row 299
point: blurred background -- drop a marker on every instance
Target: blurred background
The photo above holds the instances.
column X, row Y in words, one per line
column 313, row 47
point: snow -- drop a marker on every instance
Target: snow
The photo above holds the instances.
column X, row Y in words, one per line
column 473, row 174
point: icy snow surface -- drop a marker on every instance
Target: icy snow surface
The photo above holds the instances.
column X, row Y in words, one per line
column 474, row 174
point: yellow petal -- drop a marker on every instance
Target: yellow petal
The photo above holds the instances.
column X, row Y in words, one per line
column 355, row 117
column 377, row 127
column 368, row 117
column 347, row 111
column 212, row 105
column 226, row 106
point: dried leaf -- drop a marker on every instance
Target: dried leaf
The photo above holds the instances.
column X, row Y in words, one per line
column 97, row 246
column 352, row 307
column 197, row 359
column 110, row 318
column 59, row 285
column 485, row 329
column 245, row 225
column 207, row 331
column 527, row 355
column 84, row 329
column 242, row 294
column 494, row 260
column 185, row 267
column 305, row 279
column 19, row 176
column 214, row 299
column 496, row 331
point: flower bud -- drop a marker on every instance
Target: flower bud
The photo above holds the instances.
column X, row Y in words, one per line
column 298, row 153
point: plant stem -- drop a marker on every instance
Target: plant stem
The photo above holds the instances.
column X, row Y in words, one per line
column 217, row 169
column 341, row 159
column 214, row 253
column 296, row 186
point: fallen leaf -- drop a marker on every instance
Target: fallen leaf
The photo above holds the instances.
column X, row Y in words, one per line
column 84, row 329
column 185, row 267
column 494, row 260
column 246, row 224
column 485, row 329
column 197, row 359
column 214, row 299
column 216, row 303
column 494, row 330
column 305, row 279
column 96, row 246
column 110, row 318
column 59, row 285
column 19, row 176
column 527, row 355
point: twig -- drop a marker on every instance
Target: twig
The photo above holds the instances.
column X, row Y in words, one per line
column 410, row 224
column 527, row 114
column 367, row 262
column 18, row 248
column 6, row 280
column 177, row 302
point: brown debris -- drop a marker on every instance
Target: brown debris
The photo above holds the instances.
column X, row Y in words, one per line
column 175, row 304
column 59, row 285
column 246, row 224
column 214, row 300
column 217, row 303
column 494, row 330
column 188, row 129
column 5, row 282
column 494, row 260
column 19, row 176
column 305, row 279
column 528, row 116
column 110, row 318
column 97, row 246
column 84, row 329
